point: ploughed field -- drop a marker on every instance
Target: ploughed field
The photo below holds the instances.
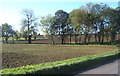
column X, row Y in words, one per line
column 16, row 55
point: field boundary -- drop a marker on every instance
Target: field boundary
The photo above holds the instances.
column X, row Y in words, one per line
column 63, row 67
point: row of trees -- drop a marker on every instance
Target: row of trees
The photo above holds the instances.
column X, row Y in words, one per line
column 93, row 19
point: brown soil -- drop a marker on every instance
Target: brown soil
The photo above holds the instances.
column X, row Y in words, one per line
column 16, row 55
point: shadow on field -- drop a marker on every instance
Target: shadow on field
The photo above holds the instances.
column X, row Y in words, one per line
column 67, row 70
column 74, row 69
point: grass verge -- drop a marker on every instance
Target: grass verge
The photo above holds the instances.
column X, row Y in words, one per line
column 62, row 67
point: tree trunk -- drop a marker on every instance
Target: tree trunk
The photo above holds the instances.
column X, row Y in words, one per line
column 12, row 39
column 89, row 37
column 6, row 39
column 26, row 38
column 85, row 38
column 99, row 37
column 62, row 39
column 53, row 42
column 34, row 37
column 113, row 36
column 75, row 38
column 70, row 39
column 29, row 39
column 107, row 37
column 29, row 36
column 102, row 32
column 79, row 39
column 102, row 37
column 96, row 38
column 3, row 39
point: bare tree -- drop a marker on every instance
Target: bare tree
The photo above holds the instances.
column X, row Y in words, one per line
column 28, row 22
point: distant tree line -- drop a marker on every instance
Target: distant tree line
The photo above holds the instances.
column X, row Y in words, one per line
column 99, row 20
column 93, row 19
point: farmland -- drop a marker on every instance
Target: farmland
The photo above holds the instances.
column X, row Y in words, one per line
column 41, row 39
column 16, row 55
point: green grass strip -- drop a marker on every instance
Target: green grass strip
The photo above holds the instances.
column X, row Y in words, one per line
column 40, row 67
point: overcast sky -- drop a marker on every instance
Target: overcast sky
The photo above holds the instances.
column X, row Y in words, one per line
column 11, row 10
